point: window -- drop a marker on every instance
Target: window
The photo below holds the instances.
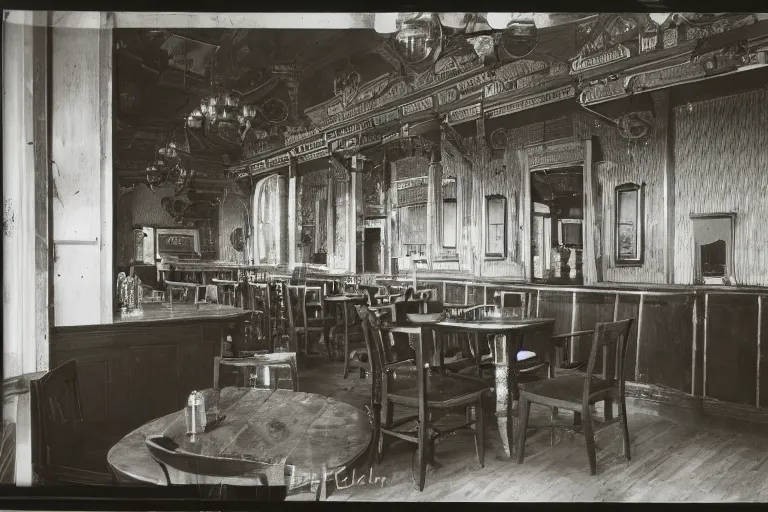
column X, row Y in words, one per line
column 713, row 256
column 269, row 226
column 450, row 227
column 569, row 233
column 628, row 233
column 496, row 227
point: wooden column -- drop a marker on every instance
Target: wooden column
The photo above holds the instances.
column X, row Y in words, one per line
column 18, row 197
column 330, row 225
column 353, row 204
column 81, row 154
column 434, row 207
column 592, row 268
column 26, row 212
column 525, row 215
column 292, row 206
column 282, row 219
column 662, row 107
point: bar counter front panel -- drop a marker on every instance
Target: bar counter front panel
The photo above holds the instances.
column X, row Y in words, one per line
column 138, row 369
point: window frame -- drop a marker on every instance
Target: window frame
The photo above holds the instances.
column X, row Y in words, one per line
column 639, row 259
column 455, row 245
column 729, row 245
column 505, row 224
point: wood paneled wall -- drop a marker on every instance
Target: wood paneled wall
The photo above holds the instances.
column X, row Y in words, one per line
column 457, row 166
column 618, row 161
column 311, row 209
column 497, row 176
column 141, row 207
column 409, row 226
column 340, row 253
column 721, row 166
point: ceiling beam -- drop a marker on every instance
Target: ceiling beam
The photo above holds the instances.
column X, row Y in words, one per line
column 314, row 20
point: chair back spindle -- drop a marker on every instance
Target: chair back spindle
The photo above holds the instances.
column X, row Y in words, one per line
column 610, row 341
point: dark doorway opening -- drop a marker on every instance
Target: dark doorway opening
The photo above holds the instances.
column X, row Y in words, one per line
column 372, row 250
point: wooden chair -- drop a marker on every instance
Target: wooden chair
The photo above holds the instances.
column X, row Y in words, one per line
column 306, row 312
column 285, row 361
column 260, row 301
column 529, row 364
column 66, row 452
column 577, row 392
column 219, row 478
column 406, row 384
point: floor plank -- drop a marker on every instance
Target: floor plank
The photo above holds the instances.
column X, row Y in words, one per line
column 674, row 458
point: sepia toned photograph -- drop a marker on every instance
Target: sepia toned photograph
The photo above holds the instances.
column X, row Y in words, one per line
column 376, row 257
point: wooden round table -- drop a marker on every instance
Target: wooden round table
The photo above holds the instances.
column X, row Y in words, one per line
column 311, row 434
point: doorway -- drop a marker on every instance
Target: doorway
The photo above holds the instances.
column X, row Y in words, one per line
column 372, row 250
column 557, row 228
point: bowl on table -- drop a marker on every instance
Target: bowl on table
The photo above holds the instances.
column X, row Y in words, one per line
column 425, row 318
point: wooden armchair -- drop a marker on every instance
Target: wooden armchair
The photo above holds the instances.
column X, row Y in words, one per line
column 67, row 453
column 219, row 478
column 306, row 312
column 577, row 392
column 280, row 361
column 261, row 307
column 400, row 383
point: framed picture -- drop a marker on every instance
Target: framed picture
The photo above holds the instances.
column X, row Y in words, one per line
column 628, row 225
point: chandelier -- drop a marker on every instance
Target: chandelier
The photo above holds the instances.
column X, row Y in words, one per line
column 420, row 36
column 169, row 166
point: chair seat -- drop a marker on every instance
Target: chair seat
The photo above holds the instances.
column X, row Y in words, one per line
column 442, row 390
column 568, row 388
column 521, row 376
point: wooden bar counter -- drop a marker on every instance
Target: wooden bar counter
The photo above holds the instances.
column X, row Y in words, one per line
column 143, row 367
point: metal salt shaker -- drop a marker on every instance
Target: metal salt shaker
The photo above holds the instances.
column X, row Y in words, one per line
column 194, row 414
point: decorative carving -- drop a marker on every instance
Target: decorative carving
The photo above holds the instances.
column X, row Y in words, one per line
column 613, row 37
column 685, row 27
column 416, row 107
column 394, row 90
column 603, row 90
column 524, row 74
column 449, row 68
column 635, row 125
column 348, row 130
column 464, row 114
column 499, row 138
column 547, row 156
column 536, row 100
column 664, row 77
column 308, row 147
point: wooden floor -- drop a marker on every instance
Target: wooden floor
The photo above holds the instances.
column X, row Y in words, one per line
column 674, row 458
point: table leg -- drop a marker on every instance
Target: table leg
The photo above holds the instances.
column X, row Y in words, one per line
column 326, row 332
column 346, row 341
column 504, row 373
column 503, row 408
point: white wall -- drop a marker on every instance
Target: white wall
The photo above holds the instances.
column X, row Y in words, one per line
column 81, row 149
column 19, row 348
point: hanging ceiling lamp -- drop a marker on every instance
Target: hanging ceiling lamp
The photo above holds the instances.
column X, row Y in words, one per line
column 195, row 119
column 453, row 20
column 499, row 20
column 659, row 17
column 385, row 22
column 419, row 37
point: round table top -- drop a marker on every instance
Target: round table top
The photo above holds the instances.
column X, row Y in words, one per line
column 492, row 324
column 302, row 430
column 346, row 298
